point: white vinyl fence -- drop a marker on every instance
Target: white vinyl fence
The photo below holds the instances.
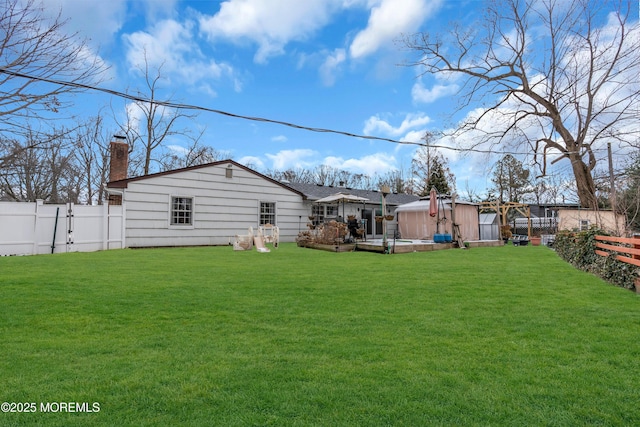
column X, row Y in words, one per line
column 36, row 228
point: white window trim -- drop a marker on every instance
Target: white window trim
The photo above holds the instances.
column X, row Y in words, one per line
column 275, row 211
column 335, row 212
column 193, row 213
column 584, row 224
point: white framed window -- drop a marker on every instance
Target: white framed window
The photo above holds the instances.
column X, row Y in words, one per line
column 181, row 211
column 322, row 212
column 267, row 213
column 317, row 212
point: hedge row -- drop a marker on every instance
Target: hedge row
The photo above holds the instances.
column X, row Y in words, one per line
column 578, row 248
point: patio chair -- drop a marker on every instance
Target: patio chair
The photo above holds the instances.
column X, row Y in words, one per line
column 356, row 228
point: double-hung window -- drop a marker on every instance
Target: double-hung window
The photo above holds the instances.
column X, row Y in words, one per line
column 267, row 213
column 181, row 211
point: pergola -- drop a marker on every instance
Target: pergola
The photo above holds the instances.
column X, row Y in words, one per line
column 502, row 209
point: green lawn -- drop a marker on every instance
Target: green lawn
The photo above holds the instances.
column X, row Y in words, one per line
column 208, row 336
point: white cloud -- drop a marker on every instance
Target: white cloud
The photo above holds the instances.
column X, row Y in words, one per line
column 421, row 94
column 292, row 159
column 377, row 125
column 107, row 17
column 447, row 146
column 388, row 20
column 136, row 115
column 270, row 24
column 170, row 44
column 206, row 88
column 252, row 162
column 331, row 66
column 279, row 138
column 178, row 149
column 155, row 9
column 413, row 136
column 165, row 43
column 377, row 163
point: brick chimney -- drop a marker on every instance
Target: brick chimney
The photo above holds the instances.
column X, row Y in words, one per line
column 119, row 159
column 119, row 162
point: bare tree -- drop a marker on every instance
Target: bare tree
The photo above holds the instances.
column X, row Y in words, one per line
column 91, row 155
column 325, row 175
column 471, row 194
column 33, row 49
column 396, row 180
column 629, row 200
column 39, row 168
column 560, row 81
column 195, row 154
column 149, row 123
column 539, row 188
column 293, row 175
column 332, row 176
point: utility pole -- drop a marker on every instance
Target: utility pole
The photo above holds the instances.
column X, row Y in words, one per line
column 612, row 190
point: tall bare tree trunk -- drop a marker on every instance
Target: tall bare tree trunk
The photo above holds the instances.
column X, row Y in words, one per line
column 585, row 186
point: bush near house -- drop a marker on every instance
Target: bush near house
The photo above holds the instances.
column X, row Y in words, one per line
column 578, row 249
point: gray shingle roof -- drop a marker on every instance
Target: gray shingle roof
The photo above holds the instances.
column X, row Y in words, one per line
column 315, row 192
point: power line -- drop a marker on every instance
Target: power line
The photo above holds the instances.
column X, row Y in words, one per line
column 171, row 104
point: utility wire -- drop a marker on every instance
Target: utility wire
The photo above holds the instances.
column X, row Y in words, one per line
column 171, row 104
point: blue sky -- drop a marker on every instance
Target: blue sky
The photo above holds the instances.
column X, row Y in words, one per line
column 333, row 64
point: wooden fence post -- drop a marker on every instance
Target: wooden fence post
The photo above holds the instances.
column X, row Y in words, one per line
column 636, row 245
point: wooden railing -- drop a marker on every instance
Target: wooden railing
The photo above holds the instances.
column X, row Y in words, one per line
column 629, row 253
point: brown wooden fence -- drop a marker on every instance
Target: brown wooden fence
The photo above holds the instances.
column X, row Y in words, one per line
column 631, row 252
column 627, row 250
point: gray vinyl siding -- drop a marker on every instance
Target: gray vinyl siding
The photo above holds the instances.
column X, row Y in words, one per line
column 223, row 207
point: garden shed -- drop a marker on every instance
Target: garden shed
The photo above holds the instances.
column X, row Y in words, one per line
column 414, row 221
column 489, row 226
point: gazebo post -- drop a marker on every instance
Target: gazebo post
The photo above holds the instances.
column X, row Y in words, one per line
column 384, row 189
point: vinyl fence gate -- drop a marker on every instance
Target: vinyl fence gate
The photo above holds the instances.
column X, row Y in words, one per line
column 30, row 228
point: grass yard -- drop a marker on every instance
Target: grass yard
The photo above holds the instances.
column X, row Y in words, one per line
column 298, row 337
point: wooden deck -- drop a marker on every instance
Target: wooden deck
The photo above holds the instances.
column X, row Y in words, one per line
column 399, row 246
column 342, row 247
column 406, row 246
